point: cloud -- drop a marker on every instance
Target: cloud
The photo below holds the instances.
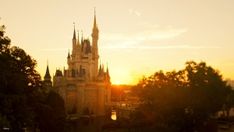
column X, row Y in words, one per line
column 149, row 34
column 134, row 12
column 161, row 47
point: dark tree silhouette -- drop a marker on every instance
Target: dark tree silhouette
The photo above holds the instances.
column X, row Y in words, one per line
column 23, row 103
column 51, row 113
column 183, row 100
column 18, row 78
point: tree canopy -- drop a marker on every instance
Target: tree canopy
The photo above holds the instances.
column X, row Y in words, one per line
column 22, row 101
column 176, row 99
column 18, row 77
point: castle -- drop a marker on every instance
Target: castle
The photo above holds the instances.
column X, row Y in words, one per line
column 84, row 85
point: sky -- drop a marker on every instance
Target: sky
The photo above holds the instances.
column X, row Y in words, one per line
column 136, row 37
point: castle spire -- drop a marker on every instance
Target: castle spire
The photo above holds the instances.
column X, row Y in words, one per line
column 82, row 36
column 107, row 72
column 78, row 37
column 74, row 41
column 74, row 33
column 47, row 74
column 94, row 22
column 95, row 34
column 100, row 69
column 68, row 55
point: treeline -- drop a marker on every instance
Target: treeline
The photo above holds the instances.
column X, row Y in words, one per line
column 24, row 104
column 182, row 101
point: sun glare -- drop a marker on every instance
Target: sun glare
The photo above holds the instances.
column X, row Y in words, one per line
column 121, row 76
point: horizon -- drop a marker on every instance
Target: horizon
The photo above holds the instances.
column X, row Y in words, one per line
column 156, row 35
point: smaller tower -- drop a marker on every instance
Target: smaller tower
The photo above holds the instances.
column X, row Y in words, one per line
column 74, row 40
column 78, row 42
column 107, row 74
column 47, row 83
column 95, row 35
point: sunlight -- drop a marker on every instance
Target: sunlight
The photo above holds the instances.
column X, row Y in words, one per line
column 121, row 76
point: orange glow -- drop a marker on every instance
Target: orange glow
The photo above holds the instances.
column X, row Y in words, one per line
column 136, row 38
column 122, row 76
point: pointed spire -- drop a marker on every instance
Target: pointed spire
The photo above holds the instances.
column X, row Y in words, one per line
column 68, row 55
column 103, row 68
column 78, row 37
column 94, row 22
column 100, row 69
column 81, row 36
column 47, row 75
column 107, row 71
column 74, row 33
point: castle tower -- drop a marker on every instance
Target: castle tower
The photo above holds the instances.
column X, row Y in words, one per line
column 47, row 83
column 95, row 35
column 74, row 41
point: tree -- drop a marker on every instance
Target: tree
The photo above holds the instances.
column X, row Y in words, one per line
column 182, row 100
column 22, row 100
column 51, row 113
column 18, row 77
column 209, row 90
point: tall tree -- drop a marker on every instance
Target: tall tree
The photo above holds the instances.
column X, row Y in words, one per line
column 208, row 90
column 18, row 78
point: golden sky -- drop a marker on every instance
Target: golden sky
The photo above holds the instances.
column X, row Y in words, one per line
column 137, row 37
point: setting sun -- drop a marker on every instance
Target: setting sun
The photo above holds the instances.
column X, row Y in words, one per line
column 121, row 76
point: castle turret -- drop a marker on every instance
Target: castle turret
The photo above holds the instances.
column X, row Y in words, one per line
column 95, row 34
column 74, row 41
column 47, row 83
column 78, row 45
column 107, row 74
column 47, row 76
column 68, row 58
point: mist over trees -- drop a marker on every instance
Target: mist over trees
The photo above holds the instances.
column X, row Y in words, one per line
column 182, row 101
column 23, row 104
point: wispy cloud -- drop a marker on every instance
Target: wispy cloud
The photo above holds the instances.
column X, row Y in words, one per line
column 150, row 34
column 161, row 47
column 149, row 38
column 134, row 12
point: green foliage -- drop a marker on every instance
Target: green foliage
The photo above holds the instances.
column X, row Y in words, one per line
column 182, row 100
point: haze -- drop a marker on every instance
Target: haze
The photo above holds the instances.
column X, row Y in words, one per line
column 136, row 37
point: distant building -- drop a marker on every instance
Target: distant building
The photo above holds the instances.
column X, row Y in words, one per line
column 85, row 84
